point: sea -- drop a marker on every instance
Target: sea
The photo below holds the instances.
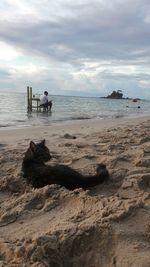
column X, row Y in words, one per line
column 66, row 109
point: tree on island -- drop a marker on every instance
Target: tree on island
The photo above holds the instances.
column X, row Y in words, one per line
column 116, row 95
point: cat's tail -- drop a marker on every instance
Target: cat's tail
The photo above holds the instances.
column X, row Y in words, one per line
column 101, row 176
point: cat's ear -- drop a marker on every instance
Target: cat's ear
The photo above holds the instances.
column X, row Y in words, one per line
column 32, row 145
column 43, row 142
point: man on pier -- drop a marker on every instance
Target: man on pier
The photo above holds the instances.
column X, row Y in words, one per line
column 45, row 102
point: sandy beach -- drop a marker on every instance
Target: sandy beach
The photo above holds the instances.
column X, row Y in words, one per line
column 105, row 226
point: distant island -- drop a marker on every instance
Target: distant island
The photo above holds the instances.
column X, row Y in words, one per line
column 119, row 95
column 116, row 95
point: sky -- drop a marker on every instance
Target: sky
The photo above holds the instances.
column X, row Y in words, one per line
column 75, row 47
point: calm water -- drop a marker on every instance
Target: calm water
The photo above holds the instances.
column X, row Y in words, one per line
column 13, row 110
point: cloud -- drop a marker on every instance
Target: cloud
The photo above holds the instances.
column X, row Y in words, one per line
column 94, row 43
column 145, row 83
column 95, row 31
column 4, row 74
column 8, row 52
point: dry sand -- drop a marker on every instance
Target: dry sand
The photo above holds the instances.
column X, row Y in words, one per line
column 106, row 226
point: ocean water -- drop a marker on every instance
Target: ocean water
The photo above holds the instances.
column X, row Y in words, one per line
column 13, row 110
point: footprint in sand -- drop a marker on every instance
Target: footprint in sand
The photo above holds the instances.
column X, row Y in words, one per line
column 8, row 218
column 143, row 163
column 144, row 183
column 34, row 203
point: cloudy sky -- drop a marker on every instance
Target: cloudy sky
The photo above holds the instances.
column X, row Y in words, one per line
column 75, row 47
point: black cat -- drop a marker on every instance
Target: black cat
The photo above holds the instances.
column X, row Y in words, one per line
column 38, row 174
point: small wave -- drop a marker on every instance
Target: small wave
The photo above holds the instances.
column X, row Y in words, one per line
column 81, row 118
column 20, row 120
column 5, row 125
column 118, row 116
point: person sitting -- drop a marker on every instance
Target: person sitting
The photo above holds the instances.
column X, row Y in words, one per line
column 45, row 102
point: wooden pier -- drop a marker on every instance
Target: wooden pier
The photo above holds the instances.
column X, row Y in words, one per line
column 33, row 103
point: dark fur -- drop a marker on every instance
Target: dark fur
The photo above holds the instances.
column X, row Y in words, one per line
column 38, row 174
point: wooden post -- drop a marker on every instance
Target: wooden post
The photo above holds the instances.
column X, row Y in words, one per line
column 30, row 98
column 28, row 101
column 35, row 100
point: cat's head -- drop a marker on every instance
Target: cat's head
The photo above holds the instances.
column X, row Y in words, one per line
column 38, row 152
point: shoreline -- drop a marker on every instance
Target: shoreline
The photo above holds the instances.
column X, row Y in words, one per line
column 72, row 127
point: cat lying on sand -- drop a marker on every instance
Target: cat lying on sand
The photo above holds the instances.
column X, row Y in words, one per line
column 39, row 174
